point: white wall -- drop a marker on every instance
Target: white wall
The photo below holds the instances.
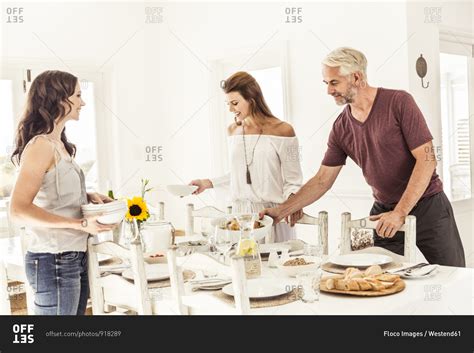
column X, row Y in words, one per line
column 455, row 15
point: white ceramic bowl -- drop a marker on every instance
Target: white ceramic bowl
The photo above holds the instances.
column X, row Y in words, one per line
column 181, row 190
column 112, row 218
column 292, row 271
column 258, row 234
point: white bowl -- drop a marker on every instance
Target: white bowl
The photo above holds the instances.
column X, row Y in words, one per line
column 111, row 218
column 292, row 271
column 181, row 190
column 258, row 234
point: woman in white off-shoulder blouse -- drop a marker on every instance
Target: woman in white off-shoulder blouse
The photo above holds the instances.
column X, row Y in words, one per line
column 264, row 155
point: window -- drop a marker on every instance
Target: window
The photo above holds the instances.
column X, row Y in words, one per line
column 270, row 82
column 455, row 114
column 83, row 134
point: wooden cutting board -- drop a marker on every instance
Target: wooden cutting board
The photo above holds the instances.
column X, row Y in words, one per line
column 397, row 287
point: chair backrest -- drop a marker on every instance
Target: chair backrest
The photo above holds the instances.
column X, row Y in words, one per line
column 205, row 212
column 238, row 279
column 322, row 222
column 100, row 286
column 239, row 283
column 8, row 230
column 4, row 295
column 409, row 228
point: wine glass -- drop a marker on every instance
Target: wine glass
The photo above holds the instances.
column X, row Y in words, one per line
column 222, row 239
column 246, row 217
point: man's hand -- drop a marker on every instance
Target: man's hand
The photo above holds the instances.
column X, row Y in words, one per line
column 272, row 212
column 295, row 216
column 389, row 223
column 95, row 197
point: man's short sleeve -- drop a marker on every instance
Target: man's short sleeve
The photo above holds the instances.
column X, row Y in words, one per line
column 335, row 155
column 412, row 122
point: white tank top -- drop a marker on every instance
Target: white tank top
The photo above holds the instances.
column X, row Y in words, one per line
column 62, row 192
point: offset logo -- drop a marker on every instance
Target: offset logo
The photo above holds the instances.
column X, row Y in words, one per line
column 14, row 14
column 23, row 333
column 154, row 153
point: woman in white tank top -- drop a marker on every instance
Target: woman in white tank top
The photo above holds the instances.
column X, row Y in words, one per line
column 48, row 195
column 264, row 155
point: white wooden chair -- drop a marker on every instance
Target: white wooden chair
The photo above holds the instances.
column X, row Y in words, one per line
column 205, row 212
column 238, row 275
column 113, row 290
column 4, row 295
column 8, row 230
column 409, row 228
column 158, row 211
column 322, row 223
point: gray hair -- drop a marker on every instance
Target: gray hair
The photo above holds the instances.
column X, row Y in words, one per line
column 348, row 60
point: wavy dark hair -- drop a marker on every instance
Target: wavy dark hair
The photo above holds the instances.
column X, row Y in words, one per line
column 44, row 106
column 248, row 87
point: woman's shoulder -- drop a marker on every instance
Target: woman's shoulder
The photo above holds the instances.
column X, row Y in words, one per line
column 232, row 128
column 39, row 148
column 281, row 128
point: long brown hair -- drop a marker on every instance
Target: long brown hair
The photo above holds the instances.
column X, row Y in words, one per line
column 43, row 107
column 248, row 87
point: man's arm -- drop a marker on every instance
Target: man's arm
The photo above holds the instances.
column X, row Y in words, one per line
column 390, row 222
column 310, row 192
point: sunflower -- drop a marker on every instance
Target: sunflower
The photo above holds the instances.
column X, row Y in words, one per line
column 137, row 209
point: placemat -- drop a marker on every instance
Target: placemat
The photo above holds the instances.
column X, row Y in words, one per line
column 283, row 299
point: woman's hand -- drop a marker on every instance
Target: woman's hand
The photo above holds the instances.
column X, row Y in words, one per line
column 92, row 226
column 95, row 197
column 202, row 185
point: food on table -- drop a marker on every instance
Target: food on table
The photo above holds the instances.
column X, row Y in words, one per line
column 373, row 270
column 234, row 225
column 297, row 262
column 372, row 279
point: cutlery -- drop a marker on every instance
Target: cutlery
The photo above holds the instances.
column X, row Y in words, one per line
column 407, row 269
column 409, row 273
column 211, row 280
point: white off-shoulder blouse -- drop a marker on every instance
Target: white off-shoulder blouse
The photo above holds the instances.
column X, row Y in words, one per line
column 275, row 173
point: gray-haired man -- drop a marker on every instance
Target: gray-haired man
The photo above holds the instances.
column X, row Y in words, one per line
column 385, row 133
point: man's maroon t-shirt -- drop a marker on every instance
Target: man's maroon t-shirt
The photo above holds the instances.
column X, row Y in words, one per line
column 381, row 145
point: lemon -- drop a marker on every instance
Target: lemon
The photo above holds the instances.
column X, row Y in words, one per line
column 247, row 247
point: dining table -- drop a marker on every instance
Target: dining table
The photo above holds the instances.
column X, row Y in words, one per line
column 448, row 292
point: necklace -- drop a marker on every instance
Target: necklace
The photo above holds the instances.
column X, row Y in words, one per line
column 249, row 179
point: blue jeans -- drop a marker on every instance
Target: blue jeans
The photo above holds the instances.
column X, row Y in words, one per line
column 59, row 281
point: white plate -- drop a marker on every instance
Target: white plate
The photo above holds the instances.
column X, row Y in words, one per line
column 260, row 288
column 155, row 272
column 181, row 190
column 361, row 260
